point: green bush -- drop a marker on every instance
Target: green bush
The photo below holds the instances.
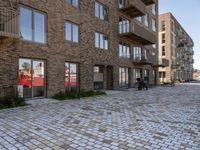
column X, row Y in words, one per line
column 73, row 94
column 10, row 102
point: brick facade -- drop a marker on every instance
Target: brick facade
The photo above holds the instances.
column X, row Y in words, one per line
column 57, row 50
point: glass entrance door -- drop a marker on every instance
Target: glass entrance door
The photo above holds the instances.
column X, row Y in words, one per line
column 31, row 78
column 24, row 78
column 38, row 79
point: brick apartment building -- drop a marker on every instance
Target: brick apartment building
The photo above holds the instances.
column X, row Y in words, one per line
column 176, row 46
column 48, row 46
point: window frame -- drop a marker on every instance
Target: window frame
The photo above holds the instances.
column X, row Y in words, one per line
column 127, row 77
column 137, row 53
column 146, row 20
column 163, row 38
column 33, row 11
column 71, row 3
column 163, row 51
column 99, row 40
column 153, row 9
column 72, row 31
column 163, row 24
column 153, row 24
column 69, row 87
column 104, row 9
column 127, row 48
column 124, row 25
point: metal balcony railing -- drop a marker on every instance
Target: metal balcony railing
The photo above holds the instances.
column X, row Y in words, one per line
column 136, row 32
column 9, row 22
column 142, row 61
column 132, row 8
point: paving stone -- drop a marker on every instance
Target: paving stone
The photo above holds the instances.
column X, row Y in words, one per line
column 160, row 118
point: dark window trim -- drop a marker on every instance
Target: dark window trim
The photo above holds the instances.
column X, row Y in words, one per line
column 32, row 19
column 72, row 23
column 99, row 40
column 72, row 4
column 104, row 7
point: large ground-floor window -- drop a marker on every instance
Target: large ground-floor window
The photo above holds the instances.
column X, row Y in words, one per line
column 71, row 76
column 162, row 74
column 98, row 77
column 137, row 73
column 123, row 77
column 31, row 78
column 146, row 75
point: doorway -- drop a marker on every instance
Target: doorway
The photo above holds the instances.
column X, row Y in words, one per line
column 109, row 70
column 31, row 78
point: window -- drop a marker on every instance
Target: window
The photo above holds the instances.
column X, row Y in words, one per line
column 163, row 51
column 163, row 38
column 122, row 3
column 139, row 19
column 137, row 53
column 31, row 78
column 101, row 41
column 146, row 72
column 124, row 25
column 32, row 25
column 74, row 3
column 137, row 73
column 145, row 54
column 163, row 25
column 162, row 74
column 98, row 77
column 96, row 69
column 146, row 20
column 154, row 45
column 154, row 9
column 101, row 11
column 72, row 32
column 173, row 26
column 124, row 50
column 71, row 76
column 123, row 77
column 154, row 25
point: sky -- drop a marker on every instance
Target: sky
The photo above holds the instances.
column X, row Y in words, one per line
column 187, row 12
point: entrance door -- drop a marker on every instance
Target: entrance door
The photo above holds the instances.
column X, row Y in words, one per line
column 24, row 78
column 31, row 78
column 123, row 77
column 38, row 88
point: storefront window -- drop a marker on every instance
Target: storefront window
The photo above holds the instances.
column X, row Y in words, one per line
column 70, row 76
column 123, row 77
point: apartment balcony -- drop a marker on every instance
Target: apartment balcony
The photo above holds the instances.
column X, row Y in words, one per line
column 142, row 61
column 182, row 68
column 9, row 23
column 137, row 32
column 133, row 8
column 175, row 66
column 164, row 62
column 149, row 2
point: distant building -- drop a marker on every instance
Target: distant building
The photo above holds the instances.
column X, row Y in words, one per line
column 176, row 46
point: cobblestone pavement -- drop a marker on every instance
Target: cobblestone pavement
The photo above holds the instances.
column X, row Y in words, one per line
column 160, row 118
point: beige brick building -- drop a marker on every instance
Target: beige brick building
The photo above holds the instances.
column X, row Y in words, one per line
column 176, row 46
column 47, row 46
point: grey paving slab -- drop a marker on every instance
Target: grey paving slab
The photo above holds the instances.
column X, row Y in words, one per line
column 160, row 118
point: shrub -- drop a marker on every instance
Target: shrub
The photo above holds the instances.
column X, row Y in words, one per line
column 10, row 102
column 73, row 94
